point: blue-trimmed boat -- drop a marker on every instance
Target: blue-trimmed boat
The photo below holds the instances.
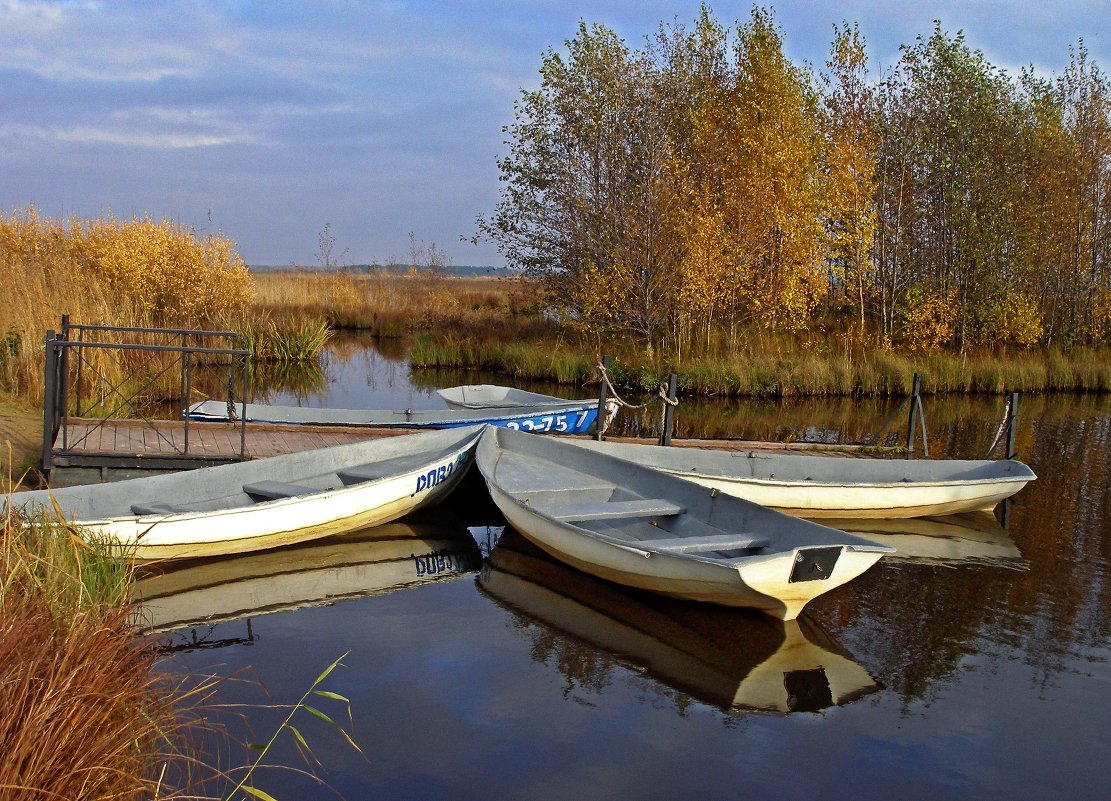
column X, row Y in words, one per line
column 556, row 419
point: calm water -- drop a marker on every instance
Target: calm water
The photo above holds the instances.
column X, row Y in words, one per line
column 977, row 668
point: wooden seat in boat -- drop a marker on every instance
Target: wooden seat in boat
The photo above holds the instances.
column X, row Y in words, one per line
column 273, row 490
column 613, row 510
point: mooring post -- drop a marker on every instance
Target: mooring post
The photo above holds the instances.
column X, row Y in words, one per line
column 50, row 372
column 913, row 419
column 1012, row 426
column 600, row 423
column 669, row 408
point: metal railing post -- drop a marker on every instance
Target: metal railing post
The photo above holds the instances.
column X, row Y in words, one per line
column 187, row 360
column 49, row 414
column 669, row 408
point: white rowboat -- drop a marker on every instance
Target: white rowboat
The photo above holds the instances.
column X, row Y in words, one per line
column 493, row 396
column 643, row 528
column 266, row 502
column 832, row 486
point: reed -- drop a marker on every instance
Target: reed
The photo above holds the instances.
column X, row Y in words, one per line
column 778, row 373
column 85, row 715
column 388, row 304
column 139, row 272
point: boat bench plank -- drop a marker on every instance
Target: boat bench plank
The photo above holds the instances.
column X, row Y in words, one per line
column 273, row 490
column 612, row 510
column 156, row 508
column 372, row 471
column 714, row 542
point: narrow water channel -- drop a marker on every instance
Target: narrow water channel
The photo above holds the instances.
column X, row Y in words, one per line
column 973, row 665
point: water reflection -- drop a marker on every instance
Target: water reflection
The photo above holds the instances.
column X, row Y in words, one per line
column 974, row 538
column 729, row 658
column 425, row 547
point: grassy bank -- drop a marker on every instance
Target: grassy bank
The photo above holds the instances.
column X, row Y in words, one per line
column 84, row 716
column 879, row 372
column 499, row 325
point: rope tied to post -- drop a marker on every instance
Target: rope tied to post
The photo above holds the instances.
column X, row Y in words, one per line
column 662, row 392
column 605, row 376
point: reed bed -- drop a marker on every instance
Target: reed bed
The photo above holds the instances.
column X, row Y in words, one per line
column 139, row 272
column 388, row 304
column 876, row 373
column 85, row 715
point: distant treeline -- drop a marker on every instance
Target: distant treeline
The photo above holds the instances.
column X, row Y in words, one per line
column 682, row 193
column 463, row 270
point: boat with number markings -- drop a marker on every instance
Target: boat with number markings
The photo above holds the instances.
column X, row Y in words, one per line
column 837, row 486
column 643, row 528
column 263, row 503
column 576, row 419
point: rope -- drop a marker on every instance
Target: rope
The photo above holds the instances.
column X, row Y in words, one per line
column 613, row 391
column 232, row 416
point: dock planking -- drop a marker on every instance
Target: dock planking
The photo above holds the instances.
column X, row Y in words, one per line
column 166, row 438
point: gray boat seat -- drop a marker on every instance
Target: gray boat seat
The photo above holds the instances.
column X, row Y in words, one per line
column 612, row 510
column 713, row 542
column 156, row 508
column 385, row 468
column 273, row 490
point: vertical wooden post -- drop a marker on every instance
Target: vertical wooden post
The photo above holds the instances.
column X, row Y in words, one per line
column 913, row 419
column 1012, row 426
column 669, row 409
column 50, row 373
column 599, row 424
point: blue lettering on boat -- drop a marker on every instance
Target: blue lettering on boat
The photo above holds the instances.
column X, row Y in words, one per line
column 437, row 474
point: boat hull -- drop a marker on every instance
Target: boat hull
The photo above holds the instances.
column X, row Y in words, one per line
column 873, row 501
column 238, row 525
column 578, row 419
column 818, row 487
column 767, row 581
column 763, row 584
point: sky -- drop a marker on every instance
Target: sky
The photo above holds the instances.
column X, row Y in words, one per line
column 267, row 121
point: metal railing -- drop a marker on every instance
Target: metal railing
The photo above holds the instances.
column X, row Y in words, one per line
column 106, row 374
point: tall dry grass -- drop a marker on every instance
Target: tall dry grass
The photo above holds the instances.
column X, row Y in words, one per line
column 139, row 272
column 388, row 304
column 84, row 713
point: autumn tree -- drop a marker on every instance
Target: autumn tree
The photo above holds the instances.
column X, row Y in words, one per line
column 851, row 153
column 583, row 206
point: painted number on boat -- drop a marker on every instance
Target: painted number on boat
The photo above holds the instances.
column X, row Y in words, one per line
column 434, row 564
column 552, row 422
column 437, row 474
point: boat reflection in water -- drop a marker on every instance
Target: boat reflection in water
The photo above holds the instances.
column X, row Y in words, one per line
column 974, row 538
column 734, row 659
column 426, row 547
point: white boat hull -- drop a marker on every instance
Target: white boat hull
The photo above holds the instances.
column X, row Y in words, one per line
column 864, row 501
column 650, row 550
column 231, row 523
column 830, row 486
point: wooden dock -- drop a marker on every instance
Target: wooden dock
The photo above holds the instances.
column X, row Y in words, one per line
column 99, row 442
column 87, row 440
